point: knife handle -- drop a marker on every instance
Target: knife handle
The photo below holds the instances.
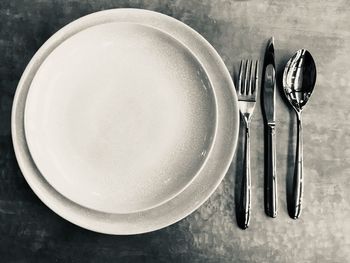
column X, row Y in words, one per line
column 243, row 216
column 294, row 207
column 270, row 177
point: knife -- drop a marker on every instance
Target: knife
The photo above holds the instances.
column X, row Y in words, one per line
column 269, row 101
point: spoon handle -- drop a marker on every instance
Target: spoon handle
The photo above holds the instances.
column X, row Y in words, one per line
column 243, row 216
column 297, row 194
column 271, row 179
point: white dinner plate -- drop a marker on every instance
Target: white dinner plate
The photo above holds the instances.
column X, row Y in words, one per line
column 125, row 121
column 120, row 117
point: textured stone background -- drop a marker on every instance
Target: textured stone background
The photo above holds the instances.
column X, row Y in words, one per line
column 30, row 232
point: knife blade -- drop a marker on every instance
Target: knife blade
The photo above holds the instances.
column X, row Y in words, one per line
column 269, row 101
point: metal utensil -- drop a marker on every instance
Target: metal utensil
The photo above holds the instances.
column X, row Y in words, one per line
column 299, row 80
column 269, row 101
column 247, row 94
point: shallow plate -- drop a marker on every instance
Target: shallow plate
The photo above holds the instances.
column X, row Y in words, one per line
column 120, row 117
column 211, row 148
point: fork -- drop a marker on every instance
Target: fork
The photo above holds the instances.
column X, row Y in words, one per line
column 247, row 95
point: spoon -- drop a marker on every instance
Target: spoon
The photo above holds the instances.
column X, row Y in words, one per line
column 299, row 78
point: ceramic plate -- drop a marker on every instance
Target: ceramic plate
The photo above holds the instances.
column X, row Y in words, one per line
column 120, row 117
column 125, row 121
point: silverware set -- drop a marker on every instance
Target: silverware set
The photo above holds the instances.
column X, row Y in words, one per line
column 299, row 79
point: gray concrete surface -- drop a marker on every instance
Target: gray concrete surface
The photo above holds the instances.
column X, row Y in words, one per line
column 30, row 232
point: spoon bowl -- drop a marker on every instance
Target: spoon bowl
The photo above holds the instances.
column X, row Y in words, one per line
column 299, row 80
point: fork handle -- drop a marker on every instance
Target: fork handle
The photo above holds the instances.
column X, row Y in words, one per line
column 294, row 206
column 243, row 216
column 270, row 177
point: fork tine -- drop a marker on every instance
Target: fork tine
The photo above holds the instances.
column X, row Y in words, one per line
column 246, row 78
column 251, row 76
column 240, row 80
column 256, row 80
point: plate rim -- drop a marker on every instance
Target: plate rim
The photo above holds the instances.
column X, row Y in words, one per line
column 104, row 222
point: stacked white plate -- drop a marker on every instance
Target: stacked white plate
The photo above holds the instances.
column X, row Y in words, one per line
column 125, row 121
